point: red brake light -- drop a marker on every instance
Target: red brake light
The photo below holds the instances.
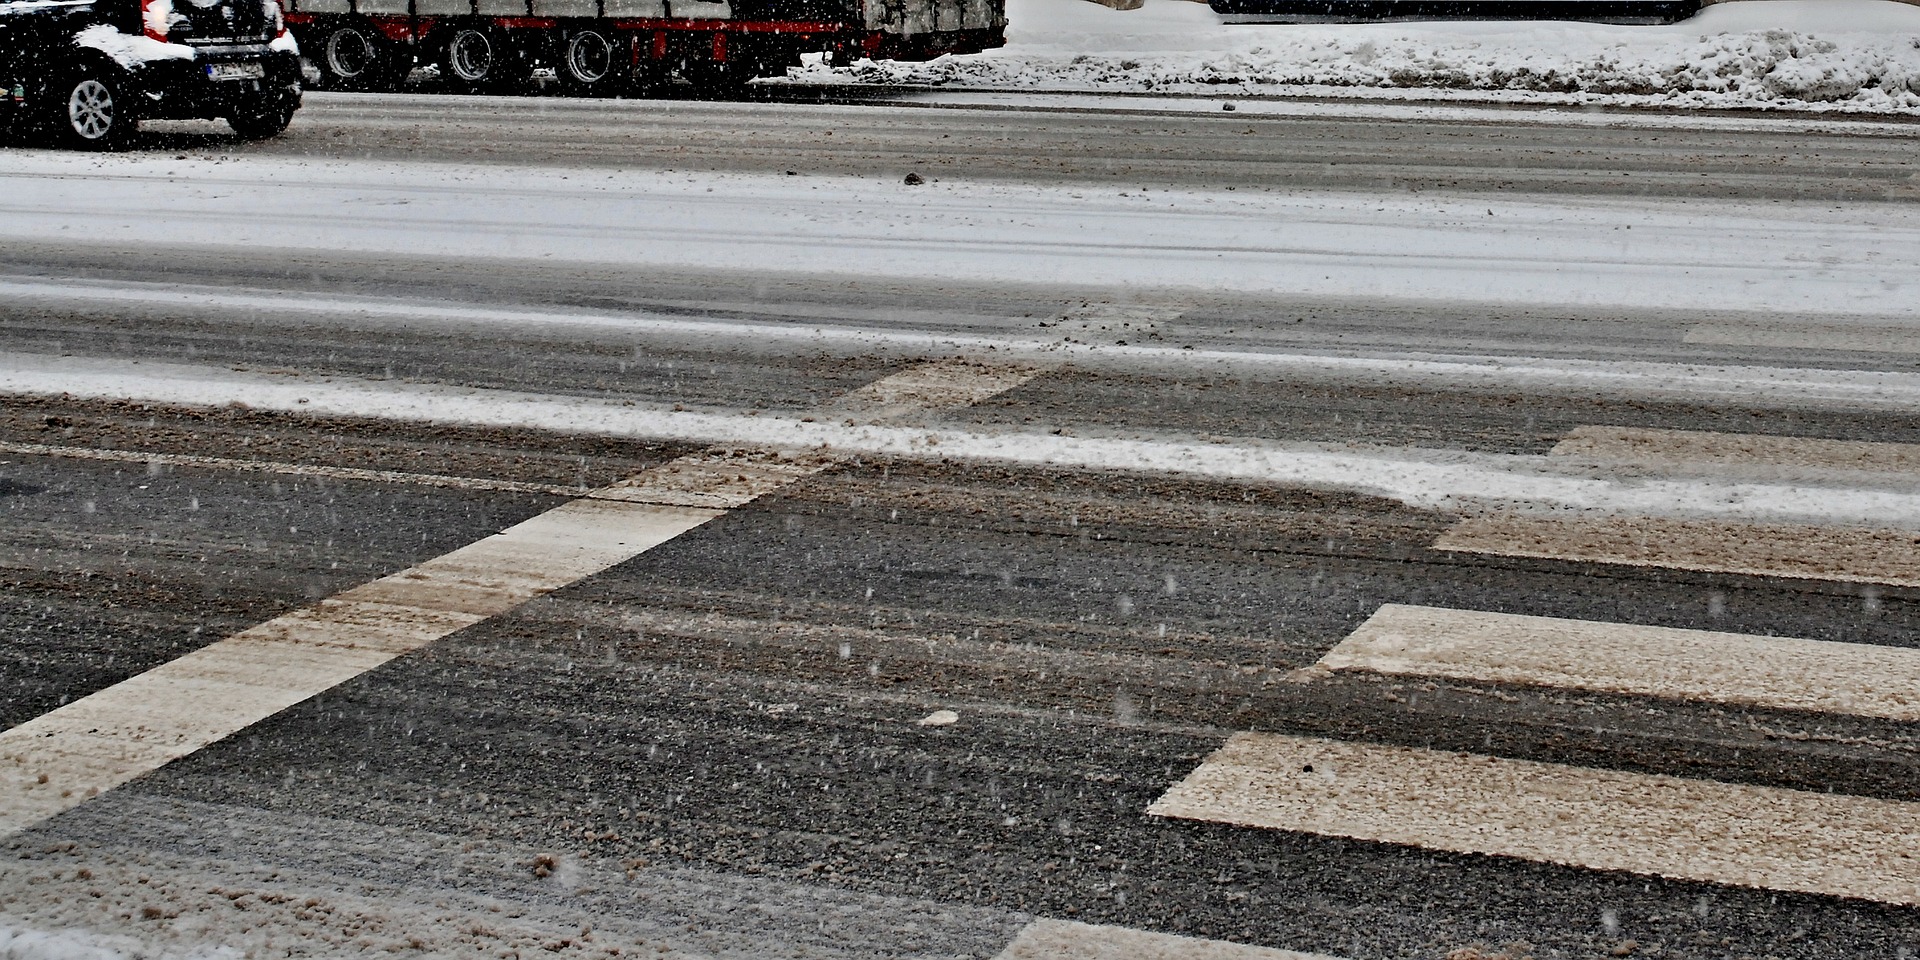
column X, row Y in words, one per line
column 154, row 15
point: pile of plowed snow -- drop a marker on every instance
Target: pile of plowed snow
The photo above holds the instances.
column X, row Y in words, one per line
column 1851, row 55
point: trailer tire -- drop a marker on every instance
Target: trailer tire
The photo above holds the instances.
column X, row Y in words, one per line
column 472, row 60
column 589, row 62
column 354, row 56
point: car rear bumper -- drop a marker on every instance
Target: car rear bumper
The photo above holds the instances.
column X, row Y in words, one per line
column 185, row 89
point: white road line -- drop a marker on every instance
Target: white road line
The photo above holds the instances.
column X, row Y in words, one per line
column 1047, row 939
column 1778, row 672
column 1661, row 449
column 1447, row 479
column 1800, row 336
column 288, row 469
column 1841, row 554
column 1847, row 389
column 1760, row 837
column 63, row 757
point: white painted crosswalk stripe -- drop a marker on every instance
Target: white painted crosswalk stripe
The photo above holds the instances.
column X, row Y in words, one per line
column 1842, row 554
column 1844, row 551
column 1067, row 940
column 1760, row 837
column 1800, row 335
column 1689, row 448
column 61, row 758
column 1777, row 672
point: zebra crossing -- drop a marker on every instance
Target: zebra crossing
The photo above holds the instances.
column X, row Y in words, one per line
column 1759, row 837
column 1332, row 784
column 70, row 755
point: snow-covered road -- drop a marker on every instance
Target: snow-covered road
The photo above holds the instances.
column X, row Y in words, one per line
column 815, row 566
column 1834, row 259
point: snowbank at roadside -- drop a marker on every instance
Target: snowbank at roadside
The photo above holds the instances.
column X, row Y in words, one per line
column 1850, row 55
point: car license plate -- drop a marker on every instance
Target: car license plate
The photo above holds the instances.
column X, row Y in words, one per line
column 235, row 71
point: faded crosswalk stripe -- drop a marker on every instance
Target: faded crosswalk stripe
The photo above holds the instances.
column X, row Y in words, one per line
column 1688, row 448
column 1760, row 837
column 1778, row 672
column 1844, row 554
column 61, row 758
column 1067, row 940
column 1849, row 554
column 1799, row 335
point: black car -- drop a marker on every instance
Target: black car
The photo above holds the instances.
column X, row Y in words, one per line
column 88, row 71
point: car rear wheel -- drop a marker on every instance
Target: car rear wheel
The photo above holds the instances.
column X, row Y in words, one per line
column 94, row 110
column 261, row 122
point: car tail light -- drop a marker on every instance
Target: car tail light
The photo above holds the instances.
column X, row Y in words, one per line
column 155, row 18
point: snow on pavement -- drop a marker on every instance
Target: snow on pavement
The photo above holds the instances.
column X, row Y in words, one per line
column 1775, row 257
column 878, row 335
column 1834, row 55
column 1422, row 478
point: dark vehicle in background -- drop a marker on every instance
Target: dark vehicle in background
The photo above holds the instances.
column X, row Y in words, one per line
column 88, row 71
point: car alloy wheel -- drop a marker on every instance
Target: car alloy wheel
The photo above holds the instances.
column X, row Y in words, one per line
column 91, row 111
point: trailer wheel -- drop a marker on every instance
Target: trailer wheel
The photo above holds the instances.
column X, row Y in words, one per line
column 471, row 60
column 589, row 62
column 353, row 56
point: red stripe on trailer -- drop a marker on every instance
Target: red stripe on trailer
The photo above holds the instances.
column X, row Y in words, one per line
column 525, row 23
column 730, row 26
column 299, row 18
column 399, row 28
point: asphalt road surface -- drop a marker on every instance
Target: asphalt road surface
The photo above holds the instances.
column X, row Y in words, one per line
column 588, row 596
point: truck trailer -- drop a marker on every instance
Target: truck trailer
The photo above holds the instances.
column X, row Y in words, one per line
column 608, row 46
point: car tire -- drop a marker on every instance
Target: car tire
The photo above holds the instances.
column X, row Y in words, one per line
column 94, row 109
column 262, row 121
